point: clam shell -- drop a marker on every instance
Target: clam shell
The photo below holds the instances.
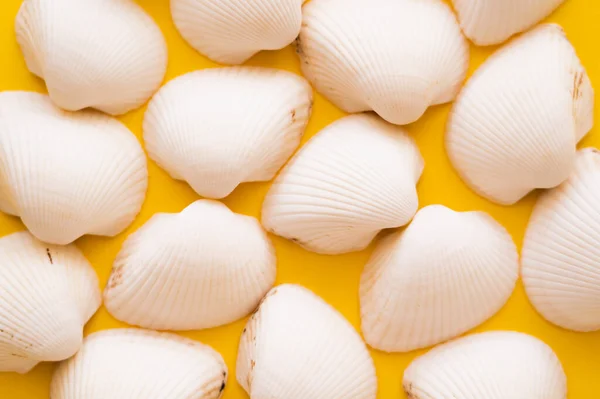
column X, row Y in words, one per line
column 351, row 180
column 491, row 365
column 413, row 57
column 561, row 250
column 47, row 294
column 217, row 128
column 104, row 54
column 516, row 124
column 67, row 174
column 232, row 31
column 201, row 268
column 296, row 346
column 446, row 273
column 488, row 22
column 136, row 364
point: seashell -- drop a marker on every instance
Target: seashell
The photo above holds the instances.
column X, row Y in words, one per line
column 47, row 294
column 132, row 363
column 516, row 124
column 414, row 57
column 561, row 250
column 488, row 22
column 217, row 128
column 296, row 346
column 232, row 31
column 104, row 54
column 353, row 179
column 201, row 268
column 446, row 273
column 491, row 365
column 67, row 174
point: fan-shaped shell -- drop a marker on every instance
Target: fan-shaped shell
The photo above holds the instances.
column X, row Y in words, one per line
column 488, row 22
column 491, row 365
column 136, row 364
column 446, row 273
column 200, row 268
column 47, row 294
column 353, row 179
column 296, row 346
column 217, row 128
column 412, row 57
column 561, row 250
column 232, row 31
column 516, row 124
column 104, row 54
column 67, row 174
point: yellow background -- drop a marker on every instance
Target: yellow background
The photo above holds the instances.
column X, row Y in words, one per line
column 334, row 278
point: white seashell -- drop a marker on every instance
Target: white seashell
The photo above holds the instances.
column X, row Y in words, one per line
column 232, row 31
column 446, row 273
column 104, row 54
column 353, row 179
column 516, row 124
column 561, row 250
column 136, row 364
column 491, row 365
column 217, row 128
column 201, row 268
column 47, row 294
column 488, row 22
column 414, row 55
column 296, row 346
column 67, row 174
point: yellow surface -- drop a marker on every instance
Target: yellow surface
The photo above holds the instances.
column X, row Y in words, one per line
column 335, row 278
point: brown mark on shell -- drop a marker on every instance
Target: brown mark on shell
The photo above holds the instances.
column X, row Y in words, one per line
column 408, row 388
column 298, row 46
column 49, row 256
column 209, row 390
column 11, row 336
column 577, row 81
column 299, row 51
column 116, row 277
column 296, row 240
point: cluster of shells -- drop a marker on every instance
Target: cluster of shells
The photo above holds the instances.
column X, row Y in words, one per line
column 69, row 168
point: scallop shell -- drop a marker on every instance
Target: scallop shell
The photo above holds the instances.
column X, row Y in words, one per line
column 516, row 124
column 488, row 22
column 67, row 174
column 351, row 180
column 136, row 364
column 561, row 250
column 297, row 346
column 217, row 128
column 105, row 54
column 413, row 57
column 491, row 365
column 446, row 273
column 232, row 31
column 201, row 268
column 47, row 294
